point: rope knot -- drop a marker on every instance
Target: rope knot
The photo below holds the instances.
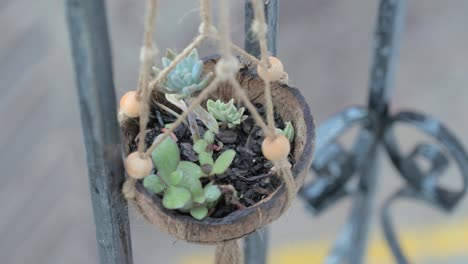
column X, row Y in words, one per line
column 148, row 53
column 129, row 189
column 207, row 29
column 227, row 68
column 282, row 164
column 259, row 28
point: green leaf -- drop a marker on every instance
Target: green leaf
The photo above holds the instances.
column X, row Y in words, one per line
column 209, row 137
column 223, row 162
column 205, row 158
column 166, row 157
column 154, row 184
column 170, row 54
column 210, row 104
column 187, row 207
column 199, row 212
column 176, row 197
column 279, row 131
column 289, row 131
column 212, row 193
column 207, row 119
column 176, row 177
column 199, row 198
column 200, row 146
column 190, row 168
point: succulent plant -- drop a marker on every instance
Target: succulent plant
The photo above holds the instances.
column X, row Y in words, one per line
column 208, row 165
column 226, row 113
column 288, row 131
column 186, row 78
column 179, row 181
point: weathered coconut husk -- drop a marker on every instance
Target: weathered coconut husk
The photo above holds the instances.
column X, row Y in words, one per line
column 291, row 106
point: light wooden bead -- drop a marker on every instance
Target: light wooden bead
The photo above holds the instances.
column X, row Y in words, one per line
column 276, row 148
column 275, row 72
column 137, row 167
column 129, row 104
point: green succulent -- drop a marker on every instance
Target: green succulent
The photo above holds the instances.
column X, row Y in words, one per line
column 179, row 181
column 226, row 113
column 288, row 131
column 186, row 77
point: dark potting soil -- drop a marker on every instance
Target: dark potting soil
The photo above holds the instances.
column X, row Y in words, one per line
column 250, row 173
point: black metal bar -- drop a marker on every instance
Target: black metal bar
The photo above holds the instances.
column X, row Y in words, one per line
column 93, row 67
column 390, row 22
column 352, row 241
column 271, row 14
column 256, row 244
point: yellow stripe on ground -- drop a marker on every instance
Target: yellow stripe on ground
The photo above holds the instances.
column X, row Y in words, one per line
column 426, row 243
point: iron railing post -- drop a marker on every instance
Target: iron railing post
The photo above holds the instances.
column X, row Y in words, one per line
column 352, row 241
column 93, row 67
column 256, row 244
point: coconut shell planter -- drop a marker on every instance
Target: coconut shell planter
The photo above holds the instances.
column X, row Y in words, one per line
column 219, row 187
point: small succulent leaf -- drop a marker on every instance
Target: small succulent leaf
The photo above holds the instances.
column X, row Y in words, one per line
column 206, row 80
column 279, row 131
column 208, row 120
column 212, row 193
column 187, row 207
column 154, row 184
column 223, row 162
column 206, row 168
column 199, row 198
column 176, row 80
column 176, row 197
column 200, row 146
column 176, row 177
column 172, row 98
column 205, row 158
column 209, row 137
column 170, row 54
column 210, row 104
column 166, row 62
column 193, row 56
column 166, row 156
column 190, row 169
column 196, row 187
column 289, row 131
column 199, row 212
column 197, row 69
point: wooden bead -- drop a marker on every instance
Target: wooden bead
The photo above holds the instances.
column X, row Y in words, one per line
column 136, row 167
column 276, row 148
column 129, row 104
column 275, row 72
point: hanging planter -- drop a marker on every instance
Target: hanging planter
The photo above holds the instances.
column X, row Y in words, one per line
column 214, row 152
column 245, row 215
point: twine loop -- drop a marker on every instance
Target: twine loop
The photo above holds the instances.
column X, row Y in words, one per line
column 208, row 30
column 259, row 28
column 147, row 54
column 227, row 68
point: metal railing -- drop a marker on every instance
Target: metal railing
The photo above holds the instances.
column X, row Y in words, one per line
column 334, row 166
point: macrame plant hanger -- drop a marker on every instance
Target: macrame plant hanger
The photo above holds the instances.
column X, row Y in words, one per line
column 227, row 67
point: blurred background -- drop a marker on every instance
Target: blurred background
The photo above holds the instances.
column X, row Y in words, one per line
column 326, row 47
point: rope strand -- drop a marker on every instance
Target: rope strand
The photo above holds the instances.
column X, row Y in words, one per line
column 147, row 54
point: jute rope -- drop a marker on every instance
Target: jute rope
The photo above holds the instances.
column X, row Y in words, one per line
column 226, row 70
column 147, row 54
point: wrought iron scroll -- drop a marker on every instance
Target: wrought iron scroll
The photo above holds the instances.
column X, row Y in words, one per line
column 335, row 167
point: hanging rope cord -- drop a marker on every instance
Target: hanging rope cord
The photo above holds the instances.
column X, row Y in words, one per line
column 226, row 70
